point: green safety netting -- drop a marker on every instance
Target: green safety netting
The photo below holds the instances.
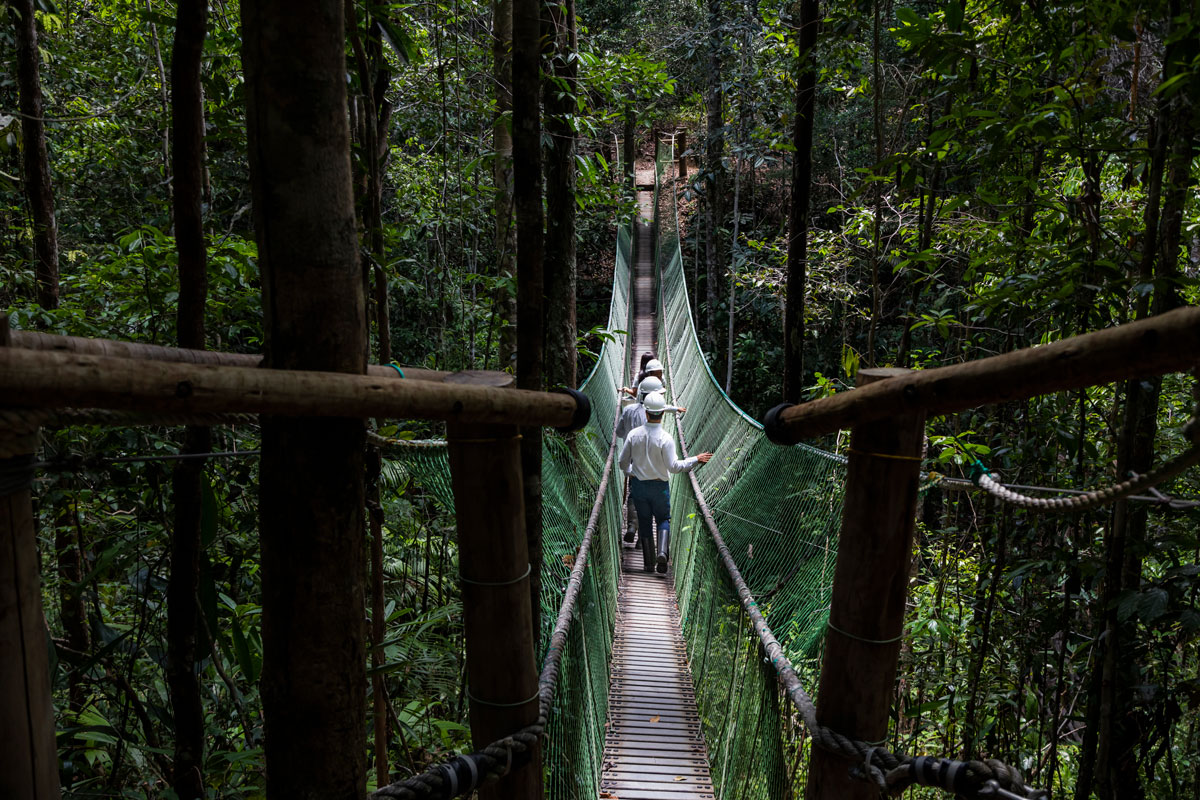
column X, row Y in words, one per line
column 572, row 468
column 778, row 510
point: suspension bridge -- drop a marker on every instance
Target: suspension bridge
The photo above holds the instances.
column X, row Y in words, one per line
column 695, row 684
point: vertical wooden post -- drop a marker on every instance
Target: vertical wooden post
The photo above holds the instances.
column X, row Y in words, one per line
column 680, row 148
column 866, row 618
column 494, row 569
column 28, row 757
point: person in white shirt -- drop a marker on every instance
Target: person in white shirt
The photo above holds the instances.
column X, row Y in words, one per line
column 648, row 458
column 634, row 416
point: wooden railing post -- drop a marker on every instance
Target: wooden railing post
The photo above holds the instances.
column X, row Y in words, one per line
column 28, row 757
column 866, row 618
column 494, row 570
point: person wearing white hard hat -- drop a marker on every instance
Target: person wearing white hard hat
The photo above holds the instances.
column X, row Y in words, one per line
column 634, row 416
column 648, row 458
column 651, row 366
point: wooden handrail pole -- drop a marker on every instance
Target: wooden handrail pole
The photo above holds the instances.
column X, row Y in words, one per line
column 493, row 565
column 66, row 380
column 29, row 755
column 1166, row 343
column 866, row 617
column 35, row 340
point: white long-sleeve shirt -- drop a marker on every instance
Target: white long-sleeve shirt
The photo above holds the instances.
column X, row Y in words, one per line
column 649, row 454
column 633, row 416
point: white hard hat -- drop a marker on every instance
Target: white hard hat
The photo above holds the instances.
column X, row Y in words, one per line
column 649, row 384
column 654, row 365
column 655, row 403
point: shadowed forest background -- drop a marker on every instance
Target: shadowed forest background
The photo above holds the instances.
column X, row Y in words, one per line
column 981, row 177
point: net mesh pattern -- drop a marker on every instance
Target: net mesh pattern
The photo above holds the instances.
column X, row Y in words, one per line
column 572, row 467
column 778, row 510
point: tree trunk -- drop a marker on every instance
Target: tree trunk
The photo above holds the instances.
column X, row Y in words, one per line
column 797, row 258
column 714, row 251
column 36, row 159
column 68, row 555
column 502, row 172
column 527, row 195
column 1170, row 180
column 733, row 250
column 560, row 268
column 629, row 146
column 311, row 503
column 373, row 77
column 183, row 610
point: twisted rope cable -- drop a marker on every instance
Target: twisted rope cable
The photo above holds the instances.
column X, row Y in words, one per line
column 386, row 441
column 890, row 772
column 464, row 774
column 1108, row 494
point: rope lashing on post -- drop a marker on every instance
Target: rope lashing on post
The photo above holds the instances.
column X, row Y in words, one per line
column 466, row 773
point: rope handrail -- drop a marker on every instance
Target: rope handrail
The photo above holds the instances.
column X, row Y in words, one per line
column 890, row 772
column 463, row 774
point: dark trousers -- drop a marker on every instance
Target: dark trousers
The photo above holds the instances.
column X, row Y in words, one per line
column 652, row 500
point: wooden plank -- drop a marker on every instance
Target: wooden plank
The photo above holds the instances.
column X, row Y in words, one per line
column 653, row 794
column 657, row 761
column 693, row 770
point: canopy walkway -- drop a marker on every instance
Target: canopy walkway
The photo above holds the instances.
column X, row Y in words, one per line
column 689, row 685
column 722, row 714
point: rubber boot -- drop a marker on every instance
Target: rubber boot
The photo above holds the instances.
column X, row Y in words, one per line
column 647, row 543
column 664, row 547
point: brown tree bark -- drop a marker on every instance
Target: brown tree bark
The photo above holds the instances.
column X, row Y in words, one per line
column 187, row 164
column 35, row 158
column 1173, row 145
column 502, row 177
column 311, row 495
column 560, row 269
column 527, row 197
column 797, row 258
column 374, row 77
column 714, row 250
column 68, row 552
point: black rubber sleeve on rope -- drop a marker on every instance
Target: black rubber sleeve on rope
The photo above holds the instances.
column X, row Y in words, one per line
column 16, row 474
column 773, row 427
column 583, row 410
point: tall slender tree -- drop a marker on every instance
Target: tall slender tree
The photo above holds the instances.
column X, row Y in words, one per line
column 560, row 269
column 311, row 486
column 797, row 254
column 1173, row 143
column 39, row 187
column 187, row 115
column 531, row 326
column 505, row 232
column 714, row 217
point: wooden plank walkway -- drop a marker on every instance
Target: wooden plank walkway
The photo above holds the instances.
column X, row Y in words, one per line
column 654, row 747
